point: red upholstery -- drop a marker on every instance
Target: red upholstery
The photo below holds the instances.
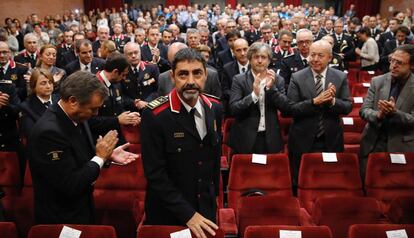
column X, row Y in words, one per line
column 226, row 150
column 359, row 90
column 9, row 173
column 131, row 134
column 355, row 64
column 273, row 231
column 227, row 221
column 115, row 192
column 365, row 77
column 340, row 212
column 353, row 76
column 401, row 210
column 285, row 123
column 88, row 231
column 386, row 181
column 320, row 179
column 352, row 134
column 8, row 230
column 148, row 231
column 19, row 208
column 377, row 230
column 267, row 210
column 273, row 178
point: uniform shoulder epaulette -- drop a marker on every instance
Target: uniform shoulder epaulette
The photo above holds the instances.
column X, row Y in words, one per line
column 157, row 102
column 148, row 63
column 211, row 96
column 290, row 55
column 347, row 34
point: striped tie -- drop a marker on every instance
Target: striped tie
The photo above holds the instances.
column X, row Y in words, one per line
column 319, row 90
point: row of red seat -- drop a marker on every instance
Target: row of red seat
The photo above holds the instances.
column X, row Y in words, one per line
column 8, row 229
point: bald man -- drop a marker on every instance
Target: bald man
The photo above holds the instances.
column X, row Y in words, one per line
column 165, row 83
column 141, row 83
column 322, row 96
column 336, row 61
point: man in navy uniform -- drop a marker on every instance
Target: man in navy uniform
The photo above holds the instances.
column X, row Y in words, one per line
column 118, row 38
column 64, row 160
column 141, row 83
column 30, row 53
column 181, row 150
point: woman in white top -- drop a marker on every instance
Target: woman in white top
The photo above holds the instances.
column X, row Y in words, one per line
column 369, row 51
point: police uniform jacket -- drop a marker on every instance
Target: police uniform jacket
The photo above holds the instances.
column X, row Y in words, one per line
column 15, row 73
column 277, row 57
column 120, row 42
column 61, row 50
column 253, row 35
column 8, row 116
column 345, row 46
column 182, row 170
column 24, row 58
column 143, row 84
column 337, row 62
column 60, row 154
column 291, row 64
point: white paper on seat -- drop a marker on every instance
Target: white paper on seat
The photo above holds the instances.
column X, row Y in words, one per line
column 329, row 157
column 358, row 100
column 348, row 120
column 367, row 85
column 398, row 159
column 181, row 234
column 259, row 159
column 371, row 72
column 397, row 234
column 290, row 234
column 345, row 71
column 68, row 232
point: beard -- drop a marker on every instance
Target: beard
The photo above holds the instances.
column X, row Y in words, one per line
column 190, row 95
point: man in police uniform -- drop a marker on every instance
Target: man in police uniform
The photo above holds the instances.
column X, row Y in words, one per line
column 30, row 54
column 64, row 161
column 299, row 60
column 336, row 61
column 141, row 84
column 115, row 110
column 181, row 150
column 12, row 72
column 118, row 38
column 282, row 50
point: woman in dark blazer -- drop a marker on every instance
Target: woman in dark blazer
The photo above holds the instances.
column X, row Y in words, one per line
column 41, row 87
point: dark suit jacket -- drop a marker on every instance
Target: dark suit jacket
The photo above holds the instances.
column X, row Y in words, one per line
column 62, row 171
column 222, row 44
column 61, row 50
column 384, row 37
column 9, row 137
column 32, row 109
column 229, row 71
column 247, row 114
column 212, row 86
column 74, row 66
column 305, row 120
column 388, row 48
column 290, row 64
column 224, row 57
column 251, row 36
column 163, row 64
column 318, row 36
column 67, row 58
column 24, row 58
column 182, row 170
column 95, row 46
column 348, row 48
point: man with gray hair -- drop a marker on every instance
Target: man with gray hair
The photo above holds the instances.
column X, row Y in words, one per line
column 30, row 53
column 103, row 34
column 64, row 161
column 321, row 95
column 299, row 60
column 255, row 98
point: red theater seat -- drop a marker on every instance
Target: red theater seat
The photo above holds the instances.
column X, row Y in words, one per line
column 318, row 179
column 365, row 76
column 352, row 133
column 359, row 90
column 8, row 230
column 150, row 231
column 10, row 173
column 267, row 210
column 339, row 213
column 88, row 231
column 377, row 230
column 226, row 150
column 401, row 210
column 131, row 134
column 115, row 193
column 385, row 180
column 274, row 231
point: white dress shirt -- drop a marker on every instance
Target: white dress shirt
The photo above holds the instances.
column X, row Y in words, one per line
column 261, row 100
column 199, row 117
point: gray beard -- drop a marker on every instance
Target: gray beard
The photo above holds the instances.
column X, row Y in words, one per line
column 190, row 96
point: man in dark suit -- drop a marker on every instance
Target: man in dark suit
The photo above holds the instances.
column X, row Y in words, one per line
column 64, row 47
column 343, row 43
column 388, row 108
column 254, row 34
column 86, row 61
column 64, row 161
column 375, row 32
column 118, row 38
column 315, row 27
column 141, row 84
column 70, row 56
column 30, row 53
column 328, row 28
column 299, row 60
column 225, row 56
column 155, row 52
column 166, row 84
column 388, row 35
column 181, row 150
column 222, row 42
column 254, row 100
column 321, row 95
column 400, row 39
column 103, row 34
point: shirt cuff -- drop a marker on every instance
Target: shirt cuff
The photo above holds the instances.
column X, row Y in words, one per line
column 255, row 98
column 98, row 160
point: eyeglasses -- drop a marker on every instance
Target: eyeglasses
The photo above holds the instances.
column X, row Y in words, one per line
column 396, row 62
column 4, row 52
column 304, row 42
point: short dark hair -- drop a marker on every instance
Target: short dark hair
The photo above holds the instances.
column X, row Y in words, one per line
column 409, row 49
column 365, row 30
column 187, row 54
column 82, row 85
column 285, row 32
column 232, row 34
column 404, row 30
column 80, row 43
column 117, row 61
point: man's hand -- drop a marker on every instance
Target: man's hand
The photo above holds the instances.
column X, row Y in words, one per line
column 256, row 85
column 324, row 97
column 155, row 55
column 58, row 76
column 358, row 51
column 128, row 118
column 105, row 145
column 198, row 223
column 119, row 155
column 332, row 90
column 140, row 104
column 270, row 78
column 4, row 99
column 387, row 107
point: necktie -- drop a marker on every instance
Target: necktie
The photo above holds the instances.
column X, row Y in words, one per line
column 1, row 73
column 243, row 70
column 198, row 120
column 47, row 104
column 305, row 62
column 319, row 90
column 86, row 68
column 339, row 38
column 136, row 72
column 31, row 56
